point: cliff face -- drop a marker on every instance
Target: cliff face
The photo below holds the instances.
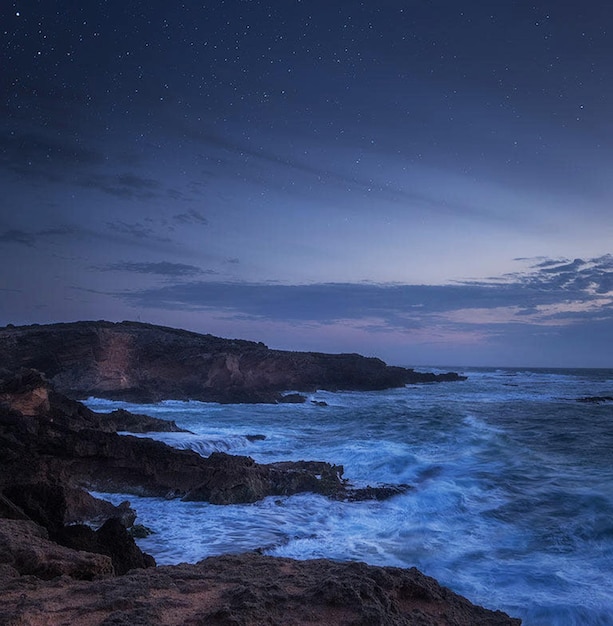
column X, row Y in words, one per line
column 142, row 362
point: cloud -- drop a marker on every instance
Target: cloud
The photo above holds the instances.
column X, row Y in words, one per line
column 161, row 268
column 136, row 230
column 594, row 276
column 18, row 236
column 191, row 217
column 573, row 294
column 31, row 238
column 34, row 154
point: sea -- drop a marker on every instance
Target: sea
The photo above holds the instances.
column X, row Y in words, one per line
column 512, row 498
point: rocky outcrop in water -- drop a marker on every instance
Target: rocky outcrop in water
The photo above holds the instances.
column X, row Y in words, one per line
column 145, row 363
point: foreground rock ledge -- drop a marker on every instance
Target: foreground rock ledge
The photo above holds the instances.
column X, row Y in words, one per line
column 248, row 590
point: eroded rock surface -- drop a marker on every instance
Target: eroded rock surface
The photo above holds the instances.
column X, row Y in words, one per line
column 247, row 590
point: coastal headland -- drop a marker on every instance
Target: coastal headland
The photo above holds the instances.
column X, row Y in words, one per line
column 146, row 363
column 67, row 557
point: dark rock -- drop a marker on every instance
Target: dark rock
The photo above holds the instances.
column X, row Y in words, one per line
column 54, row 505
column 123, row 420
column 139, row 531
column 255, row 437
column 29, row 393
column 68, row 448
column 145, row 363
column 319, row 403
column 125, row 554
column 232, row 479
column 26, row 547
column 381, row 492
column 111, row 539
column 9, row 510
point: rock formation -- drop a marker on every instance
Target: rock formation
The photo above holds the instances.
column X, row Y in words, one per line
column 145, row 363
column 44, row 434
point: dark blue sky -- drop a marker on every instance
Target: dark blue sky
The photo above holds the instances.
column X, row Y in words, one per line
column 429, row 182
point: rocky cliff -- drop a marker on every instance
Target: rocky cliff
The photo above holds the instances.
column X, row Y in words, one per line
column 145, row 363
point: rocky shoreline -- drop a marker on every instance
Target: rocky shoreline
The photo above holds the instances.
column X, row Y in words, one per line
column 69, row 558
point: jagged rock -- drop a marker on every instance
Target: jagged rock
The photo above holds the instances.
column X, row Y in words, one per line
column 25, row 392
column 147, row 363
column 25, row 547
column 139, row 531
column 380, row 492
column 30, row 394
column 67, row 447
column 247, row 590
column 54, row 505
column 122, row 420
column 234, row 479
column 111, row 539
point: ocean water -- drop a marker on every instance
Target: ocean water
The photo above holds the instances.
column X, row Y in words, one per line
column 512, row 503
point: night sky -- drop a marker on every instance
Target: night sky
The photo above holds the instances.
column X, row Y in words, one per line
column 430, row 182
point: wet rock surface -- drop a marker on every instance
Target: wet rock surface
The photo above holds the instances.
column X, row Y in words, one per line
column 146, row 363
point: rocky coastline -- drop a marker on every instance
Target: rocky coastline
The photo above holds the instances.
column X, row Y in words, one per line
column 69, row 558
column 145, row 363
